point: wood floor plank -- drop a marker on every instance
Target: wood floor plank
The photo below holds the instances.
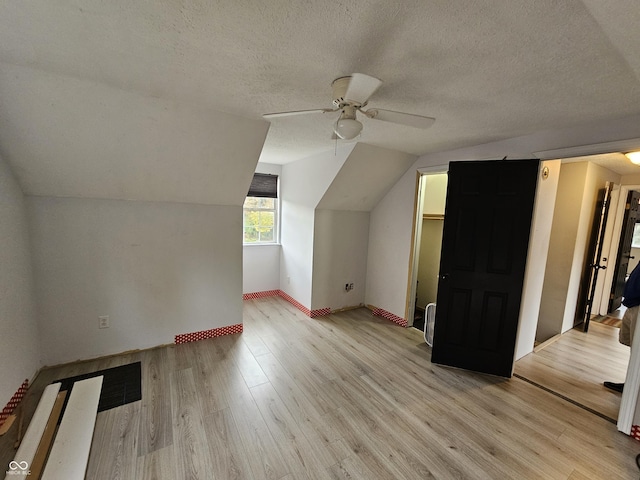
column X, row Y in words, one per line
column 213, row 371
column 117, row 431
column 601, row 454
column 248, row 366
column 515, row 451
column 316, row 426
column 577, row 364
column 350, row 468
column 157, row 465
column 265, row 460
column 227, row 453
column 301, row 457
column 156, row 425
column 302, row 372
column 192, row 452
column 383, row 454
column 255, row 344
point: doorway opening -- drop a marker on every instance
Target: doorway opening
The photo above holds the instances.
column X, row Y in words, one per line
column 431, row 198
column 415, row 301
column 622, row 252
column 563, row 317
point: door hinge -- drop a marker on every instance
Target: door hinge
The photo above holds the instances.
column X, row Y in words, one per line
column 611, row 296
column 627, row 206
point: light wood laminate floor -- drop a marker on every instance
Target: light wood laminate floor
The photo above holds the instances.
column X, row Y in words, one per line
column 347, row 396
column 577, row 364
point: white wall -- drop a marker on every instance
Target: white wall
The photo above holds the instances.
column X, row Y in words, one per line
column 563, row 238
column 261, row 263
column 261, row 268
column 19, row 344
column 539, row 243
column 339, row 257
column 157, row 269
column 389, row 244
column 303, row 183
column 352, row 179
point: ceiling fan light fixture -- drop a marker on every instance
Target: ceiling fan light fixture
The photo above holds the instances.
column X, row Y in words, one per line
column 634, row 157
column 348, row 128
column 350, row 95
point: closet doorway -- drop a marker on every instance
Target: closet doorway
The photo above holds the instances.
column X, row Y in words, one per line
column 433, row 194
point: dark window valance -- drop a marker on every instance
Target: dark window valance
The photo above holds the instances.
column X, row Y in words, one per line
column 263, row 185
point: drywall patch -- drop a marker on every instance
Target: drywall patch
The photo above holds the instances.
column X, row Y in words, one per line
column 214, row 332
column 14, row 402
column 255, row 295
column 389, row 316
column 635, row 432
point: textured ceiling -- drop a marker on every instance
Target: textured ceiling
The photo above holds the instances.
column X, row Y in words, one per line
column 486, row 69
column 616, row 162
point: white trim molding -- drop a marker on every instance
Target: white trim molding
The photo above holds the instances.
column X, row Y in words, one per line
column 622, row 146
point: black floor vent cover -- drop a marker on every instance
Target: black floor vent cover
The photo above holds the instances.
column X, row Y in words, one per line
column 120, row 385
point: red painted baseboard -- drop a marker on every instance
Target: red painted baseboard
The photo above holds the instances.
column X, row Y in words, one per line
column 214, row 332
column 320, row 312
column 390, row 316
column 254, row 295
column 14, row 402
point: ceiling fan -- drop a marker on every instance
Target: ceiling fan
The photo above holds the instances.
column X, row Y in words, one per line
column 350, row 95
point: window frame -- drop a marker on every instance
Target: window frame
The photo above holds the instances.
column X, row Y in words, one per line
column 636, row 227
column 275, row 210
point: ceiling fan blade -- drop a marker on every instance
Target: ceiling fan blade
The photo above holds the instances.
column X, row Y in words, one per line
column 298, row 112
column 416, row 121
column 361, row 87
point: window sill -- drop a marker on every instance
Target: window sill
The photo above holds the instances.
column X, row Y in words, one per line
column 275, row 244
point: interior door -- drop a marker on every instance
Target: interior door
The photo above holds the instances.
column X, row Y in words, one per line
column 484, row 250
column 594, row 254
column 631, row 216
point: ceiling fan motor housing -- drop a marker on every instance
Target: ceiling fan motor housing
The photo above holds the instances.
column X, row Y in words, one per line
column 339, row 87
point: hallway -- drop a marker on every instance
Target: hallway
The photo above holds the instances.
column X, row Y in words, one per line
column 576, row 365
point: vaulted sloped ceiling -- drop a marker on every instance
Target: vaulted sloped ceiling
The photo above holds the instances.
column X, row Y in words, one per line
column 364, row 178
column 120, row 98
column 74, row 137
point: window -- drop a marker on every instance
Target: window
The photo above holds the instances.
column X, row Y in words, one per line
column 635, row 243
column 260, row 210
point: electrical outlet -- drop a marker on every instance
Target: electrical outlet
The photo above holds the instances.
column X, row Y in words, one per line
column 103, row 321
column 351, row 286
column 348, row 287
